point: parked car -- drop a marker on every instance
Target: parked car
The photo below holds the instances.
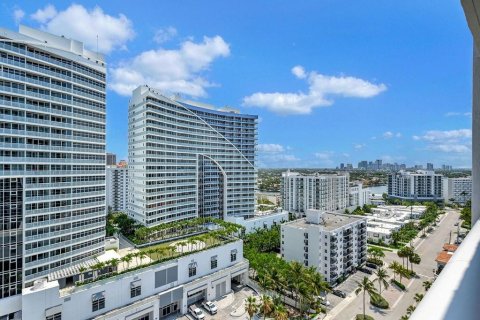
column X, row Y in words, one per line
column 196, row 312
column 210, row 307
column 456, row 224
column 366, row 270
column 371, row 265
column 339, row 293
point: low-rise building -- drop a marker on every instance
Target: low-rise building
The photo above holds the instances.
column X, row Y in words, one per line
column 334, row 243
column 264, row 220
column 155, row 291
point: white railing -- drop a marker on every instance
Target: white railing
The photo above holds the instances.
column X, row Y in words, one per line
column 455, row 294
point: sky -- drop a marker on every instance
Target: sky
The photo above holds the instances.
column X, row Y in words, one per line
column 331, row 81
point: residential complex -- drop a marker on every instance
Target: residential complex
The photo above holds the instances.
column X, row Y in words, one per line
column 415, row 186
column 458, row 190
column 117, row 188
column 52, row 149
column 327, row 192
column 357, row 195
column 334, row 243
column 188, row 159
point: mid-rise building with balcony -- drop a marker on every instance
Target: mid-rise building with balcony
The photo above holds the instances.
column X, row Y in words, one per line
column 333, row 243
column 327, row 192
column 420, row 185
column 457, row 190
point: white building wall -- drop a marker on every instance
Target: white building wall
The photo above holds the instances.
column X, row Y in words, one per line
column 77, row 303
column 117, row 188
column 260, row 221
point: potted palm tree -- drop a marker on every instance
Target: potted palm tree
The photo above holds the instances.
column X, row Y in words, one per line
column 251, row 306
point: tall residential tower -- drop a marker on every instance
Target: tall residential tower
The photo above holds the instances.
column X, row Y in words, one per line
column 52, row 151
column 188, row 159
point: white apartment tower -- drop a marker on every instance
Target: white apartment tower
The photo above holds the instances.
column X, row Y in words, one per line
column 358, row 196
column 52, row 151
column 416, row 186
column 327, row 192
column 117, row 188
column 188, row 159
column 458, row 189
column 333, row 243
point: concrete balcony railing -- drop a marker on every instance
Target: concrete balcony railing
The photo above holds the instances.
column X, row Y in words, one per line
column 455, row 294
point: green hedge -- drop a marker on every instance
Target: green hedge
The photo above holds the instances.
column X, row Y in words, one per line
column 398, row 284
column 361, row 317
column 378, row 301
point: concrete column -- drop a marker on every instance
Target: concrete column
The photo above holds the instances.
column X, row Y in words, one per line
column 476, row 136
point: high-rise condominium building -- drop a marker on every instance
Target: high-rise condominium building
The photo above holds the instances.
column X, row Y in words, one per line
column 111, row 159
column 117, row 188
column 52, row 151
column 333, row 243
column 327, row 192
column 416, row 186
column 188, row 159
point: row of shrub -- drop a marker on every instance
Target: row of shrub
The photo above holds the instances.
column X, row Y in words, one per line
column 378, row 301
column 398, row 284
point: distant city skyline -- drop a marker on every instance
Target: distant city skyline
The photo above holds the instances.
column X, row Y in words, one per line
column 322, row 96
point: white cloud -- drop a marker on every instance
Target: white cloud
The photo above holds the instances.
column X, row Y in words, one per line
column 45, row 14
column 359, row 146
column 455, row 114
column 18, row 15
column 172, row 71
column 270, row 148
column 321, row 88
column 389, row 135
column 324, row 155
column 437, row 135
column 455, row 148
column 78, row 23
column 164, row 34
column 449, row 141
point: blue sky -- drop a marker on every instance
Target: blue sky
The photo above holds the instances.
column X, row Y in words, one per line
column 331, row 81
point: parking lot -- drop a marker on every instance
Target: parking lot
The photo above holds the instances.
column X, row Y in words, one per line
column 230, row 306
column 348, row 286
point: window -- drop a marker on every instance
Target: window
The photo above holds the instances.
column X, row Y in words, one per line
column 192, row 269
column 56, row 316
column 98, row 301
column 233, row 255
column 135, row 289
column 213, row 262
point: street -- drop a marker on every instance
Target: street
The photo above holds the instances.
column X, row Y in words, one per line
column 399, row 301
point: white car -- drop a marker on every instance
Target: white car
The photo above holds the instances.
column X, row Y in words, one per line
column 210, row 307
column 197, row 313
column 324, row 301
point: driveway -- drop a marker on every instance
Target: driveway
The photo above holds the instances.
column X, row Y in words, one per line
column 230, row 306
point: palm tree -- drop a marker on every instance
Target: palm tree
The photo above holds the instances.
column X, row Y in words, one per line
column 410, row 310
column 81, row 269
column 395, row 267
column 114, row 263
column 264, row 281
column 368, row 288
column 418, row 297
column 296, row 274
column 414, row 258
column 266, row 305
column 382, row 277
column 251, row 306
column 427, row 284
column 280, row 312
column 404, row 317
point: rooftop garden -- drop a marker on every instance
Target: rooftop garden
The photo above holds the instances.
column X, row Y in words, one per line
column 224, row 232
column 141, row 235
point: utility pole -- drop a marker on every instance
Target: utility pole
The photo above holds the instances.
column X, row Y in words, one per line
column 450, row 238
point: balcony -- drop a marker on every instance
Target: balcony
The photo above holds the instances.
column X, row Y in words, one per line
column 454, row 295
